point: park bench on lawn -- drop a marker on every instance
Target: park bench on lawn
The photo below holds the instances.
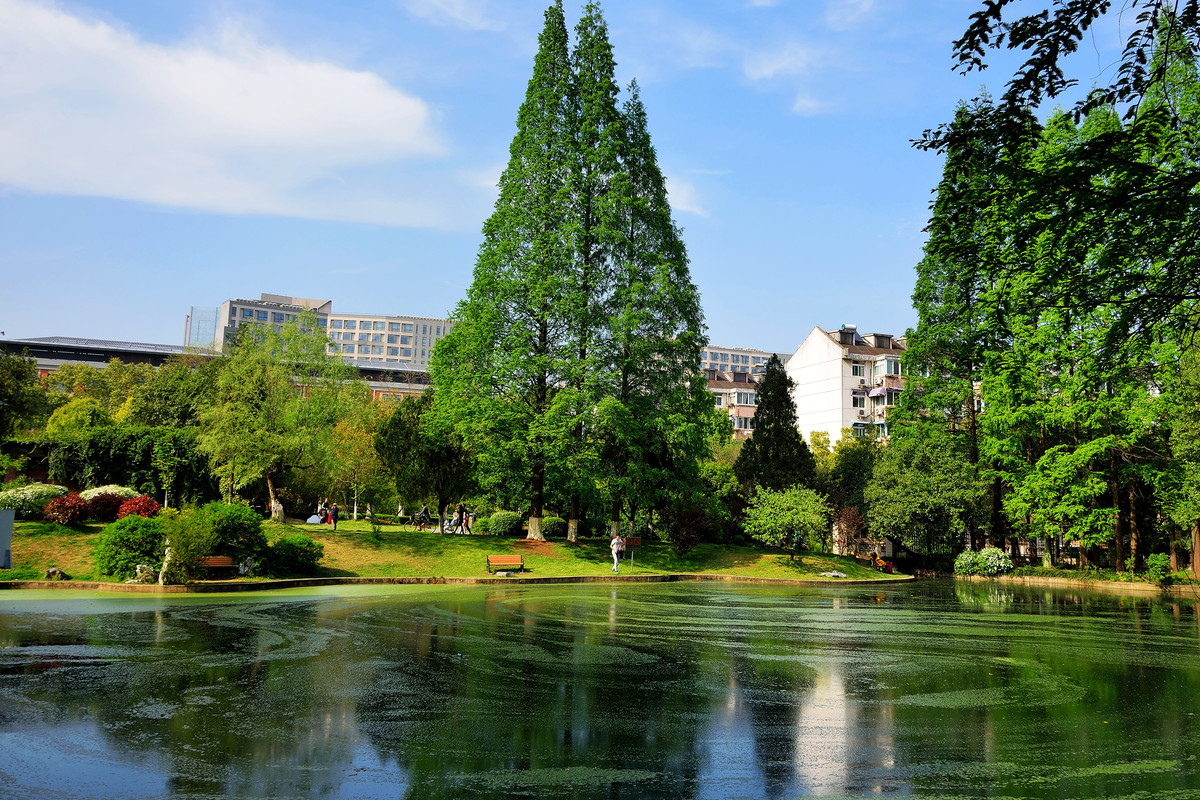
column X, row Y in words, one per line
column 515, row 560
column 217, row 562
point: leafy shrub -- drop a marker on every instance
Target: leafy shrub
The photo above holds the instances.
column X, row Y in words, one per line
column 482, row 525
column 238, row 529
column 294, row 554
column 30, row 501
column 123, row 492
column 554, row 527
column 128, row 542
column 1158, row 567
column 690, row 524
column 988, row 561
column 104, row 507
column 66, row 510
column 190, row 536
column 141, row 506
column 506, row 523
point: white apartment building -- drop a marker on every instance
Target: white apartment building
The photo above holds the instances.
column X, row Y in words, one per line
column 846, row 381
column 404, row 341
column 737, row 394
column 736, row 359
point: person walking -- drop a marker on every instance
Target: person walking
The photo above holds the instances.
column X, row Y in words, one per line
column 464, row 524
column 423, row 518
column 333, row 515
column 616, row 545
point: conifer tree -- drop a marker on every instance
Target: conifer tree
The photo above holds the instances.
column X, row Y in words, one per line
column 775, row 457
column 499, row 369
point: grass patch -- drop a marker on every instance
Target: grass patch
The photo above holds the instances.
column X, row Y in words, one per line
column 402, row 551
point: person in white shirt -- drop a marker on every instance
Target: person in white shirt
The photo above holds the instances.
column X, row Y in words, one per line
column 616, row 545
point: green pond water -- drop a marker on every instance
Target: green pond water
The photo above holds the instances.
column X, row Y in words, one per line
column 683, row 690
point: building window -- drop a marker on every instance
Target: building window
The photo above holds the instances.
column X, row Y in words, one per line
column 745, row 398
column 718, row 400
column 406, row 352
column 408, row 328
column 247, row 313
column 393, row 351
column 724, row 356
column 439, row 331
column 276, row 316
column 858, row 401
column 262, row 316
column 334, row 335
column 347, row 348
column 364, row 349
column 858, row 369
column 422, row 354
column 351, row 324
column 335, row 323
column 394, row 326
column 424, row 329
column 376, row 349
column 405, row 340
column 744, row 423
column 376, row 337
column 704, row 355
column 893, row 367
column 392, row 338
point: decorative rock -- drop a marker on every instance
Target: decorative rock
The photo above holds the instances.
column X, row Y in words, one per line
column 56, row 574
column 144, row 574
column 246, row 566
column 833, row 574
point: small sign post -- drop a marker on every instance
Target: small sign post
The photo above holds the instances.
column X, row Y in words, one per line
column 6, row 531
column 630, row 543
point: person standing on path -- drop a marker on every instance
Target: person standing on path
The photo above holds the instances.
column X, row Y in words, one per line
column 616, row 545
column 333, row 515
column 464, row 522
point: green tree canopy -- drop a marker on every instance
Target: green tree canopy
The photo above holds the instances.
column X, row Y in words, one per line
column 775, row 457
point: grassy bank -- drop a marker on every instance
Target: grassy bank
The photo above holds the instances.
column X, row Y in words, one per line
column 354, row 550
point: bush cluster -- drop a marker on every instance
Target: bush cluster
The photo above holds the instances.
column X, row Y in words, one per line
column 238, row 530
column 30, row 501
column 554, row 527
column 128, row 542
column 66, row 510
column 123, row 492
column 141, row 506
column 104, row 507
column 988, row 561
column 482, row 525
column 294, row 554
column 1158, row 567
column 506, row 523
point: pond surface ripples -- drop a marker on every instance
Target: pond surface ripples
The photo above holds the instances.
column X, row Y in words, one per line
column 934, row 689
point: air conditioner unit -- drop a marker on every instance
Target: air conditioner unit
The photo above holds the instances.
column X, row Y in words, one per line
column 862, row 413
column 862, row 381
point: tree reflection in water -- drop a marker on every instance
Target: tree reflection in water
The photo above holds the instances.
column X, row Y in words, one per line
column 674, row 690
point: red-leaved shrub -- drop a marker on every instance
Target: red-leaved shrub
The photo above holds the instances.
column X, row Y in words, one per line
column 142, row 506
column 66, row 510
column 104, row 507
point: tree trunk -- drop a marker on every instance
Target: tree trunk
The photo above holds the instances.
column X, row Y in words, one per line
column 1172, row 546
column 275, row 508
column 1119, row 523
column 573, row 520
column 1196, row 551
column 536, row 500
column 614, row 522
column 1135, row 536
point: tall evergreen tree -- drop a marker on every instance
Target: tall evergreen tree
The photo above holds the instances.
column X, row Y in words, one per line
column 498, row 370
column 775, row 457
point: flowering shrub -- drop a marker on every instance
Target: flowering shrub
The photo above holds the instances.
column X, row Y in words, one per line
column 104, row 507
column 988, row 561
column 123, row 492
column 66, row 510
column 141, row 506
column 29, row 501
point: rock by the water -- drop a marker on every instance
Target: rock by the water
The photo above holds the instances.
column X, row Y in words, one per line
column 56, row 574
column 144, row 574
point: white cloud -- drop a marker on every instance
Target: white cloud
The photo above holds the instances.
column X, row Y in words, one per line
column 228, row 124
column 791, row 59
column 469, row 14
column 843, row 14
column 684, row 197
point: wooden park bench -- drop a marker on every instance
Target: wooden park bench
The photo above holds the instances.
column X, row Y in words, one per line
column 217, row 562
column 516, row 560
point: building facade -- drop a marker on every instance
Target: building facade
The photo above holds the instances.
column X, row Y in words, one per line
column 735, row 393
column 732, row 360
column 846, row 381
column 364, row 340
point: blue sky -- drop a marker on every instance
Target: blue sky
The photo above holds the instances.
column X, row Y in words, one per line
column 155, row 156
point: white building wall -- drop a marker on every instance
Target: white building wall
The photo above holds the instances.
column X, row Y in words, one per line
column 823, row 383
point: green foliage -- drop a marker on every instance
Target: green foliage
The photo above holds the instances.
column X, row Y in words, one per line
column 989, row 561
column 150, row 460
column 294, row 555
column 175, row 394
column 482, row 525
column 78, row 417
column 22, row 398
column 30, row 500
column 105, row 507
column 123, row 492
column 924, row 492
column 1158, row 567
column 506, row 523
column 776, row 456
column 554, row 527
column 792, row 518
column 190, row 536
column 238, row 530
column 69, row 509
column 128, row 542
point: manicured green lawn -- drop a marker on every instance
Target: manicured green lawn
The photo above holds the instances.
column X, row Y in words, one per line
column 399, row 551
